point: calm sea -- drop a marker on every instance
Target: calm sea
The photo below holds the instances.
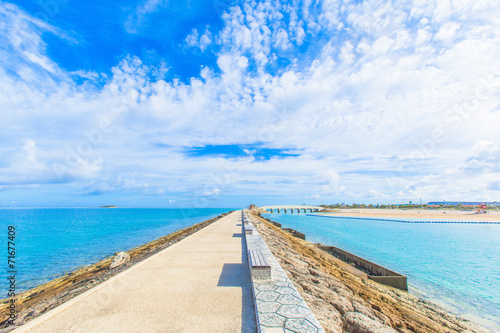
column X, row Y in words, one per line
column 52, row 242
column 456, row 266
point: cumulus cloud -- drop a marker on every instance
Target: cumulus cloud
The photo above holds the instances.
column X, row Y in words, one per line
column 136, row 19
column 202, row 42
column 382, row 102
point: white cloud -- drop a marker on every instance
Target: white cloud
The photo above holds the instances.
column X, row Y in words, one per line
column 205, row 41
column 346, row 53
column 447, row 30
column 202, row 42
column 423, row 36
column 134, row 21
column 362, row 110
column 193, row 38
column 281, row 38
column 382, row 45
column 24, row 49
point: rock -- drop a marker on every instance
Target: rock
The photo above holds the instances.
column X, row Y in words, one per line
column 355, row 322
column 327, row 315
column 119, row 259
column 370, row 313
column 341, row 304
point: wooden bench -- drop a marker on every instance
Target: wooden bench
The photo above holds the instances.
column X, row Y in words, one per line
column 261, row 270
column 248, row 230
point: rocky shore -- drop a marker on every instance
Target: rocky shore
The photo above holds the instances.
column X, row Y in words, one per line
column 35, row 302
column 345, row 303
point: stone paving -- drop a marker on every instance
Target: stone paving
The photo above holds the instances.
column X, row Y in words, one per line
column 278, row 305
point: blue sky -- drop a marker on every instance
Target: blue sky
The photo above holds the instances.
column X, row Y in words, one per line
column 221, row 103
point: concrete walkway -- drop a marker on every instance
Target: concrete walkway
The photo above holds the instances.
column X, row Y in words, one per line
column 201, row 284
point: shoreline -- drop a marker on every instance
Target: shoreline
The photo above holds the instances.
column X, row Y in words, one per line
column 316, row 273
column 432, row 214
column 38, row 300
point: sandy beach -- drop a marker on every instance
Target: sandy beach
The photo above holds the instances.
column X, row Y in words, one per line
column 451, row 215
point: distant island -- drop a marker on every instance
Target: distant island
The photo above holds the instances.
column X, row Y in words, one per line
column 108, row 206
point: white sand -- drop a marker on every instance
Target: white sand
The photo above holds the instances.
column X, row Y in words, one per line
column 451, row 215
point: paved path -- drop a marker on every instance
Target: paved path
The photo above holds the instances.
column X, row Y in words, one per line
column 201, row 284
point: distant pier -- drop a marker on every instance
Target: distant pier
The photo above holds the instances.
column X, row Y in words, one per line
column 292, row 208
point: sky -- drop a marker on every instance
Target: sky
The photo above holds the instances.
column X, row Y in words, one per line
column 157, row 103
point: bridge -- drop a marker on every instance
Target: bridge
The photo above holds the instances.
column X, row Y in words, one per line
column 292, row 208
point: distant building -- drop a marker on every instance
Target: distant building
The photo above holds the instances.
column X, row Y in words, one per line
column 462, row 203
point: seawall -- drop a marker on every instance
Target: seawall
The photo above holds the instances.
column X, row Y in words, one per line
column 375, row 272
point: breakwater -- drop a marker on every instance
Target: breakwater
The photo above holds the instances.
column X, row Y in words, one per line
column 375, row 272
column 295, row 233
column 402, row 221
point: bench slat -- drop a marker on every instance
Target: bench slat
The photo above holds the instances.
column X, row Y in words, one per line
column 258, row 260
column 263, row 260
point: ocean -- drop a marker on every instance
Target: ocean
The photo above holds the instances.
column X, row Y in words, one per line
column 52, row 242
column 456, row 266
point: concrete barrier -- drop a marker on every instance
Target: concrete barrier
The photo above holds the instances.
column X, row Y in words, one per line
column 279, row 307
column 295, row 233
column 375, row 272
column 399, row 282
column 276, row 224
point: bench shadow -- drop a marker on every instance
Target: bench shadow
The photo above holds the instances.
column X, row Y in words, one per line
column 231, row 276
column 238, row 275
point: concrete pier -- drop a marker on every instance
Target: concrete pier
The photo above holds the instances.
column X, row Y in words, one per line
column 201, row 284
column 292, row 208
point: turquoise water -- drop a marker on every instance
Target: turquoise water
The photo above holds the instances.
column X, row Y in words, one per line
column 454, row 265
column 52, row 242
